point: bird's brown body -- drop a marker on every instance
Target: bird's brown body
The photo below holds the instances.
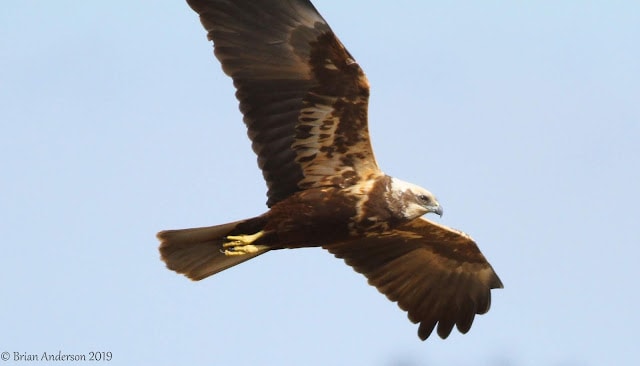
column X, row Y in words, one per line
column 318, row 216
column 302, row 219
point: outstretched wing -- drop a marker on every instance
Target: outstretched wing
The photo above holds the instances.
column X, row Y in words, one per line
column 433, row 272
column 303, row 96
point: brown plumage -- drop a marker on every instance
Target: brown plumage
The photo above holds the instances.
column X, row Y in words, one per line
column 304, row 100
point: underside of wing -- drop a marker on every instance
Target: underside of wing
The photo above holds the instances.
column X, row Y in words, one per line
column 303, row 97
column 435, row 273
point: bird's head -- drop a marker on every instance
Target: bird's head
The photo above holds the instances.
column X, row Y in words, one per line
column 414, row 200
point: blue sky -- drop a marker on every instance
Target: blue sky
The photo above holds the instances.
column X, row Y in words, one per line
column 117, row 122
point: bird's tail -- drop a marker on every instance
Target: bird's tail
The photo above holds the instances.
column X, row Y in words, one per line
column 198, row 253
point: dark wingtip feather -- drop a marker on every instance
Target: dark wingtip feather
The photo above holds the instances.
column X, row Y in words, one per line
column 425, row 329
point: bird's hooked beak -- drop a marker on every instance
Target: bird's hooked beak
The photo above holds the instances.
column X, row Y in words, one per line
column 436, row 209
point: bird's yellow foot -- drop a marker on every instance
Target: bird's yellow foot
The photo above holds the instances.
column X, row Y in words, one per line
column 234, row 240
column 242, row 244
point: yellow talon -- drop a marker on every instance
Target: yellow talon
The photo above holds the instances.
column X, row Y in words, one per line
column 242, row 239
column 241, row 244
column 245, row 249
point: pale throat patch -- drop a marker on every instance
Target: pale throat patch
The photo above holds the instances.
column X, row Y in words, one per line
column 412, row 209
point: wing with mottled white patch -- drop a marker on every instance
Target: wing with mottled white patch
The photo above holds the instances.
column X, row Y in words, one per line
column 303, row 96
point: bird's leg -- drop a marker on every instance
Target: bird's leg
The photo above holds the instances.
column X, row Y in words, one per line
column 242, row 244
column 242, row 239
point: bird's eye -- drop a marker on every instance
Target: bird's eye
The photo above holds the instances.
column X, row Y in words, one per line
column 423, row 198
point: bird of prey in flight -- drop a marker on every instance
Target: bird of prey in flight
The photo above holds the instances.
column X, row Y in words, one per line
column 304, row 99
